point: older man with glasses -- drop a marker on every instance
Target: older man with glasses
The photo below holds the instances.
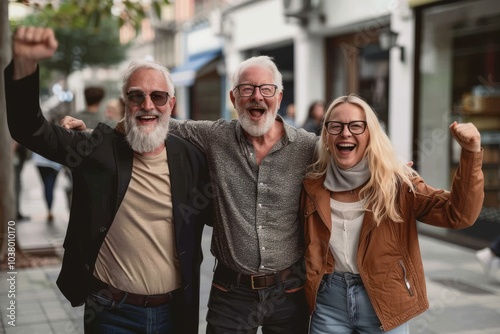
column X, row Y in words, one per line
column 140, row 199
column 257, row 164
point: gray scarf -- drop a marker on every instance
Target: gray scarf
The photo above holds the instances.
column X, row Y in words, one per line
column 346, row 179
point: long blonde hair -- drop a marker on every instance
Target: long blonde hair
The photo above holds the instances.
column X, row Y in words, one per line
column 387, row 172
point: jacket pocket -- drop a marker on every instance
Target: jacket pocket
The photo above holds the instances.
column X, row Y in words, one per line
column 407, row 283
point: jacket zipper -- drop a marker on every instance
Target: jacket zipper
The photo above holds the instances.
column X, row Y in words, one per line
column 407, row 284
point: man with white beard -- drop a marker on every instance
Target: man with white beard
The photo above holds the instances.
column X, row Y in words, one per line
column 257, row 164
column 140, row 199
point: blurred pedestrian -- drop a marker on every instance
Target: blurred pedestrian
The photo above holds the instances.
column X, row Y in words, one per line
column 315, row 115
column 290, row 115
column 489, row 258
column 114, row 112
column 48, row 171
column 21, row 154
column 92, row 114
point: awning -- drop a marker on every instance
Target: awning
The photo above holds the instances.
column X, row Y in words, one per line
column 185, row 74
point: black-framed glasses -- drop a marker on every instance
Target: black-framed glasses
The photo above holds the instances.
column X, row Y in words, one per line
column 247, row 90
column 137, row 97
column 355, row 127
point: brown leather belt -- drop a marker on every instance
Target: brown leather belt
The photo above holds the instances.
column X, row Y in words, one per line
column 253, row 281
column 119, row 296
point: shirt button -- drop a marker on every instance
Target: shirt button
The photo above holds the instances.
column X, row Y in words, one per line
column 260, row 205
column 259, row 227
column 263, row 248
column 102, row 229
column 261, row 267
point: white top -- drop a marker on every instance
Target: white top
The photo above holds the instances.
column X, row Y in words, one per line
column 347, row 219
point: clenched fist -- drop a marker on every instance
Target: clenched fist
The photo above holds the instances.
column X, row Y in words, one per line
column 29, row 46
column 467, row 135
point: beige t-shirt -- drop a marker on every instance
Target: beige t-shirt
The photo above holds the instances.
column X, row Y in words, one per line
column 138, row 254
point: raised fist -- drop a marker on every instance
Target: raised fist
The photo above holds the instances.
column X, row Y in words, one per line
column 29, row 46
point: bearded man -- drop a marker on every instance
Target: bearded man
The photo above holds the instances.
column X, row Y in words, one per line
column 140, row 199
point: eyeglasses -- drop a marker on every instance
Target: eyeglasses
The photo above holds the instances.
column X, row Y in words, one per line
column 137, row 97
column 246, row 90
column 355, row 127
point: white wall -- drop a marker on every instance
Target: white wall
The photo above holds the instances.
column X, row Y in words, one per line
column 309, row 73
column 401, row 81
column 345, row 13
column 260, row 23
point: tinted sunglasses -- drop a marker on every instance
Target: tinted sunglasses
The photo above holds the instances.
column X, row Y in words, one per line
column 137, row 97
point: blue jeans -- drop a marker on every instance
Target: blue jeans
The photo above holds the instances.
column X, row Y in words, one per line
column 49, row 176
column 343, row 307
column 495, row 246
column 104, row 316
column 236, row 309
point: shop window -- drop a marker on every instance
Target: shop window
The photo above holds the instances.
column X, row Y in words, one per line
column 356, row 64
column 476, row 94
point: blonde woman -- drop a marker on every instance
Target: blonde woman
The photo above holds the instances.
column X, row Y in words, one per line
column 360, row 206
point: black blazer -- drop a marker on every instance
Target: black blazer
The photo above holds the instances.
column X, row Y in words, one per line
column 101, row 167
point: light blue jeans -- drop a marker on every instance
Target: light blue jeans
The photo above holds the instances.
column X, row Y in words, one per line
column 343, row 307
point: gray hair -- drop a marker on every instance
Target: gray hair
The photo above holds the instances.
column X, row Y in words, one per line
column 143, row 64
column 262, row 61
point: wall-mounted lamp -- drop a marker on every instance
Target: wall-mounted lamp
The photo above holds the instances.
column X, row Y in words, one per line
column 387, row 40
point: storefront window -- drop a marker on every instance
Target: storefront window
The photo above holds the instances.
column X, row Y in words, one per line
column 357, row 64
column 459, row 79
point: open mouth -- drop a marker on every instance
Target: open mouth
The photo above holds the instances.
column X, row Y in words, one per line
column 147, row 119
column 256, row 112
column 345, row 147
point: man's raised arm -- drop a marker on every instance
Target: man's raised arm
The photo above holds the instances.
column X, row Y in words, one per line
column 31, row 45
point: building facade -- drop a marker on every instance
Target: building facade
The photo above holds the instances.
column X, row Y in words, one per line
column 420, row 63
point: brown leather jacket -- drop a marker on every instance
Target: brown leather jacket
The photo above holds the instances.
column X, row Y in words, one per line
column 388, row 256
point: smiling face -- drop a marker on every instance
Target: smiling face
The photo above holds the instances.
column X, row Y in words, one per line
column 347, row 149
column 256, row 113
column 147, row 123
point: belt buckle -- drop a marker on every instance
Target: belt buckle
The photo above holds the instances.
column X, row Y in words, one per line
column 253, row 284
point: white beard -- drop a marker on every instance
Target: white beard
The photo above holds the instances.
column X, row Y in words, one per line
column 254, row 129
column 145, row 138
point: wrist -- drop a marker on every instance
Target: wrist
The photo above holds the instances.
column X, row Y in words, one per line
column 23, row 68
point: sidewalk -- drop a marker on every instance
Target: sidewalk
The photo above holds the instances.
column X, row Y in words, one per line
column 462, row 300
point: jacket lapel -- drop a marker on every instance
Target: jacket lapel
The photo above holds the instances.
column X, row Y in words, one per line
column 124, row 159
column 321, row 197
column 178, row 183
